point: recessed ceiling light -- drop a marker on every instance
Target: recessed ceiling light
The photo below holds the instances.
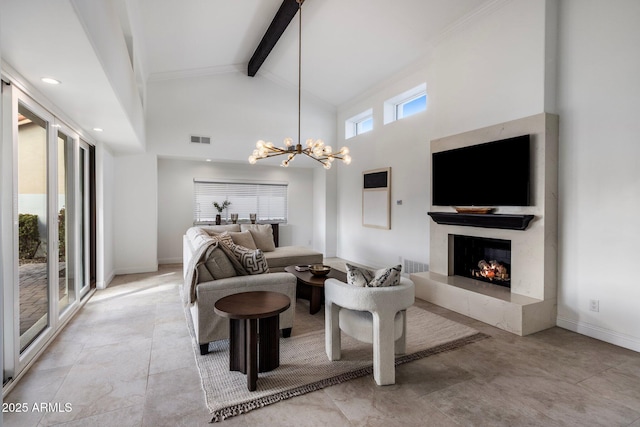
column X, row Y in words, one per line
column 208, row 160
column 98, row 129
column 50, row 81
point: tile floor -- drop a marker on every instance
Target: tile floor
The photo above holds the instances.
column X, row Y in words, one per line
column 126, row 360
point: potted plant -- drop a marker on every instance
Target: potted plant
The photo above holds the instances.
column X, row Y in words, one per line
column 220, row 207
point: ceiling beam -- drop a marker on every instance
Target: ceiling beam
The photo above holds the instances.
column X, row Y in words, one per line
column 285, row 14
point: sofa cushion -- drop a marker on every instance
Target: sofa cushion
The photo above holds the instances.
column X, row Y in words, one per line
column 218, row 265
column 212, row 230
column 284, row 256
column 243, row 238
column 383, row 277
column 262, row 236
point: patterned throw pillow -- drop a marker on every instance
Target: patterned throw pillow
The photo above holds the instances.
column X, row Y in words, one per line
column 253, row 261
column 386, row 277
column 362, row 277
column 358, row 276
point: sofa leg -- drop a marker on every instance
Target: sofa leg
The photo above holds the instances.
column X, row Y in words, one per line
column 204, row 349
column 286, row 333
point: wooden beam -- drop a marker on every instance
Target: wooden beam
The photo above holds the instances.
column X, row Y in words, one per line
column 285, row 14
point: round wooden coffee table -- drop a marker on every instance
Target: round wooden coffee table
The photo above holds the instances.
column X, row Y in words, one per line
column 244, row 310
column 311, row 287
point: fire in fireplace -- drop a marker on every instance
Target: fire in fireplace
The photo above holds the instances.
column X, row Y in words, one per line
column 492, row 270
column 482, row 258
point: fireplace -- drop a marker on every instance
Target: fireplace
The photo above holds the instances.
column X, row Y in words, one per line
column 483, row 259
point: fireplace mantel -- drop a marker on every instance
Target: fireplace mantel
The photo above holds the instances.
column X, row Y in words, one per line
column 504, row 221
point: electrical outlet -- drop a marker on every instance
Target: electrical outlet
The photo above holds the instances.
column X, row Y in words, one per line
column 594, row 305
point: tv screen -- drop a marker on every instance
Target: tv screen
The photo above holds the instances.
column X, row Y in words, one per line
column 490, row 174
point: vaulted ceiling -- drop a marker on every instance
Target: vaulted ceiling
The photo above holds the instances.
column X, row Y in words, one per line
column 347, row 46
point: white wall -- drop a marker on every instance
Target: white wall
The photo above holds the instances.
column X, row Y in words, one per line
column 489, row 72
column 403, row 146
column 105, row 182
column 599, row 89
column 175, row 199
column 135, row 221
column 235, row 111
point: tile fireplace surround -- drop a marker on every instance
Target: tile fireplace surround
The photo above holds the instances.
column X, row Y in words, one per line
column 530, row 305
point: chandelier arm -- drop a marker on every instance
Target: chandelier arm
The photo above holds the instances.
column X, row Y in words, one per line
column 317, row 159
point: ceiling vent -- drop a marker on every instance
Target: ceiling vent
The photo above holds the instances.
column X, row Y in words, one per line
column 195, row 139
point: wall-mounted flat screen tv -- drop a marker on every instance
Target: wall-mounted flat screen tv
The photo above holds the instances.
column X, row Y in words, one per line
column 495, row 173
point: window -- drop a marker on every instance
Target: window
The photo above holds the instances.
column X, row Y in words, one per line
column 268, row 201
column 358, row 124
column 411, row 106
column 406, row 104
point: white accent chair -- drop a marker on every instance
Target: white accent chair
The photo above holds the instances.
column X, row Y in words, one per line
column 372, row 315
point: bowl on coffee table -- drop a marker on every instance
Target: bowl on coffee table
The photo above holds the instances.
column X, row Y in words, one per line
column 319, row 270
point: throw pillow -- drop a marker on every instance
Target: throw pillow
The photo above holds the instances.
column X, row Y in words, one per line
column 358, row 276
column 386, row 277
column 252, row 261
column 362, row 277
column 243, row 238
column 262, row 235
column 225, row 238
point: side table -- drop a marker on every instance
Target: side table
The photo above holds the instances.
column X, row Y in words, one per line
column 251, row 314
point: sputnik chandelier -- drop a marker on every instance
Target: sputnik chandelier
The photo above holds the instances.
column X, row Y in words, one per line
column 315, row 149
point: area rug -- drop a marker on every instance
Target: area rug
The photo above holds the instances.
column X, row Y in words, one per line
column 304, row 366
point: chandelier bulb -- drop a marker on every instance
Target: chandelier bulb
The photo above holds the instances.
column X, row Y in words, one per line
column 252, row 160
column 347, row 159
column 344, row 150
column 260, row 144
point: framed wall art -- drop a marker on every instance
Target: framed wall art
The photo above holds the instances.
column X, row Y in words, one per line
column 376, row 198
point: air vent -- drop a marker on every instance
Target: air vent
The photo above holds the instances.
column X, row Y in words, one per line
column 414, row 267
column 195, row 139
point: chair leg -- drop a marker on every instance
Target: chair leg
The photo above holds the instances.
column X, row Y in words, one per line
column 286, row 332
column 384, row 370
column 401, row 342
column 332, row 330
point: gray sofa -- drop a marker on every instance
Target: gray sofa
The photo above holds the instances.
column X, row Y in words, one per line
column 208, row 274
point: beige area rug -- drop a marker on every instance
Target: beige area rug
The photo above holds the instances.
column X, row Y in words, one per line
column 304, row 366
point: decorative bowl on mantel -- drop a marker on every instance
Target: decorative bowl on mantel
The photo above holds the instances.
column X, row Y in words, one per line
column 473, row 210
column 319, row 270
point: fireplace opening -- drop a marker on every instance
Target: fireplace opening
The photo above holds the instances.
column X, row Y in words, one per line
column 483, row 259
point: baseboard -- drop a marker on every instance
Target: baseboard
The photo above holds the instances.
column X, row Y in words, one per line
column 602, row 334
column 141, row 269
column 108, row 279
column 170, row 261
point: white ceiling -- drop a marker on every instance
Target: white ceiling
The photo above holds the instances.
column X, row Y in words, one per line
column 348, row 47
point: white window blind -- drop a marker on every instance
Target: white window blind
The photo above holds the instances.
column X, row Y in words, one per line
column 267, row 201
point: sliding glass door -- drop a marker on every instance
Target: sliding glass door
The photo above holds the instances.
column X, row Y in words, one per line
column 84, row 218
column 34, row 279
column 46, row 253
